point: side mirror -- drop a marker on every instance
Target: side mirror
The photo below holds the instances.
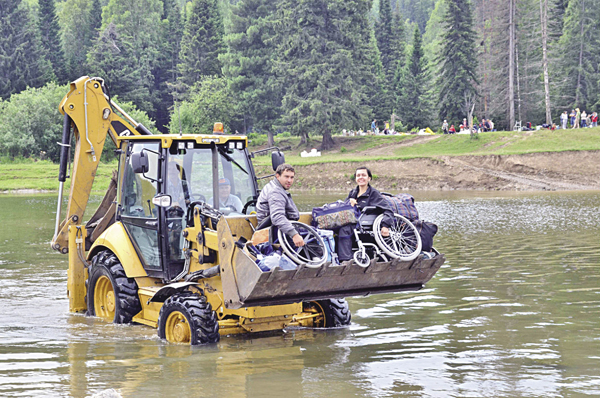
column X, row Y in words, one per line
column 277, row 158
column 139, row 162
column 162, row 200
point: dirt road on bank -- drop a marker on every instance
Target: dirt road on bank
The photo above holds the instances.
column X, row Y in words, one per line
column 553, row 171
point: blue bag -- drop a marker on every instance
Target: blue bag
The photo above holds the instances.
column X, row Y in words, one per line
column 329, row 241
column 404, row 204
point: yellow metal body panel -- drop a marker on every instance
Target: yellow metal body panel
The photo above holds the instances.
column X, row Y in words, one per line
column 150, row 310
column 78, row 272
column 115, row 239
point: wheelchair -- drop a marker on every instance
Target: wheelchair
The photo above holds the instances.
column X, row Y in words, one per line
column 314, row 252
column 403, row 243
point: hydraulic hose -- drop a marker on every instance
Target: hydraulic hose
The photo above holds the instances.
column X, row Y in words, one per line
column 65, row 145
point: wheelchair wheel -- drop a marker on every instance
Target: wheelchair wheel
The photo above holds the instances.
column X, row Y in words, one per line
column 361, row 258
column 313, row 254
column 404, row 241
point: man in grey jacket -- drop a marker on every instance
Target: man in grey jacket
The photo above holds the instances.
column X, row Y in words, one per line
column 275, row 201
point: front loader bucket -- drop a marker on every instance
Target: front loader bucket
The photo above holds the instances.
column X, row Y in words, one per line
column 245, row 285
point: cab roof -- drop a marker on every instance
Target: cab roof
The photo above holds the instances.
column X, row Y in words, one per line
column 168, row 139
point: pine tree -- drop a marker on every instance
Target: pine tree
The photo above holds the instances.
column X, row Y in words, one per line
column 432, row 45
column 165, row 71
column 579, row 66
column 383, row 32
column 22, row 60
column 50, row 35
column 202, row 42
column 414, row 106
column 248, row 64
column 398, row 41
column 376, row 88
column 323, row 50
column 80, row 22
column 458, row 62
column 417, row 11
column 127, row 50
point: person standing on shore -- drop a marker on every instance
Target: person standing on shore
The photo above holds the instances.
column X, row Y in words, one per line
column 374, row 126
column 563, row 120
column 572, row 118
column 577, row 118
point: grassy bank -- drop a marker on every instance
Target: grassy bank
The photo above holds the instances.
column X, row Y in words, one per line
column 42, row 175
column 360, row 149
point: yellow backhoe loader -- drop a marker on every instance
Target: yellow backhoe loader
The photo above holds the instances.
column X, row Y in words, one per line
column 159, row 252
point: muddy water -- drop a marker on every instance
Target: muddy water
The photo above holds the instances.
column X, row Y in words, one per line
column 514, row 312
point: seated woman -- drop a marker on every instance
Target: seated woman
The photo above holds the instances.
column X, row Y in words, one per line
column 362, row 196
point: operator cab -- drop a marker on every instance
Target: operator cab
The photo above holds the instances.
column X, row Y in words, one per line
column 160, row 182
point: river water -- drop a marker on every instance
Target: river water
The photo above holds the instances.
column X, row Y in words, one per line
column 514, row 312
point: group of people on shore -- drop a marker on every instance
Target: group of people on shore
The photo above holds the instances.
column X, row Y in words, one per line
column 275, row 201
column 578, row 119
column 485, row 125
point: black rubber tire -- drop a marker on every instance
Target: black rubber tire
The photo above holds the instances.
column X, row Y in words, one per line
column 127, row 302
column 335, row 312
column 198, row 313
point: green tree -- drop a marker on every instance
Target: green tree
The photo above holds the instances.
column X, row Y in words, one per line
column 248, row 65
column 375, row 85
column 578, row 67
column 22, row 59
column 417, row 11
column 414, row 104
column 323, row 48
column 165, row 71
column 126, row 52
column 80, row 22
column 458, row 62
column 39, row 122
column 202, row 42
column 35, row 112
column 50, row 37
column 384, row 35
column 210, row 101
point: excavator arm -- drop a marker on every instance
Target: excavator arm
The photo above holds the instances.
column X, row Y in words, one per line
column 89, row 115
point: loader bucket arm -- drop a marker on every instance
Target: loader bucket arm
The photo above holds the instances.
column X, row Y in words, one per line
column 90, row 115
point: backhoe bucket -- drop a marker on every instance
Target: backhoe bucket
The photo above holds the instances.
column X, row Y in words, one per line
column 245, row 284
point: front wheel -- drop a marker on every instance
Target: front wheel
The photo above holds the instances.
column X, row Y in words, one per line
column 334, row 312
column 187, row 318
column 110, row 294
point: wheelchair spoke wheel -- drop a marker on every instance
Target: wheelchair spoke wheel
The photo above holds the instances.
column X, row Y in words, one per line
column 313, row 254
column 404, row 241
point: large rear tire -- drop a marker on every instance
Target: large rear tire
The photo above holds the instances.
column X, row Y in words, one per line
column 110, row 294
column 335, row 312
column 187, row 318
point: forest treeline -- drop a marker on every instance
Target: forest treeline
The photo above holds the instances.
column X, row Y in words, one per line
column 308, row 67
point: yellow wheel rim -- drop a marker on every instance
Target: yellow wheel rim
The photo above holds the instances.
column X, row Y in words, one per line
column 177, row 328
column 104, row 298
column 319, row 320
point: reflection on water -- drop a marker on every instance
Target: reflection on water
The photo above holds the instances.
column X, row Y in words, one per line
column 513, row 312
